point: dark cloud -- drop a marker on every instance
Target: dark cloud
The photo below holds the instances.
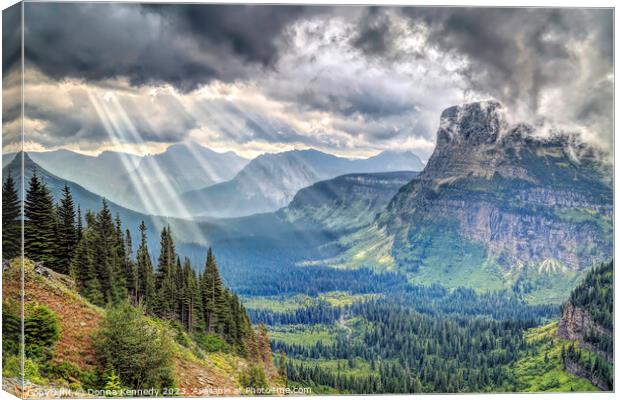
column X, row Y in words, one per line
column 11, row 37
column 513, row 54
column 351, row 63
column 183, row 45
column 250, row 31
column 375, row 35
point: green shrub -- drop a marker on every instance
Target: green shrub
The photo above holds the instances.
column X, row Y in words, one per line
column 113, row 384
column 254, row 378
column 211, row 343
column 138, row 349
column 11, row 366
column 180, row 334
column 41, row 331
column 11, row 328
column 32, row 372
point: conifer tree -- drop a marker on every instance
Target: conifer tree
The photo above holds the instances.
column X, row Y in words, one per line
column 212, row 292
column 79, row 228
column 282, row 366
column 11, row 225
column 107, row 258
column 66, row 232
column 40, row 223
column 144, row 270
column 131, row 273
column 264, row 348
column 165, row 277
column 83, row 268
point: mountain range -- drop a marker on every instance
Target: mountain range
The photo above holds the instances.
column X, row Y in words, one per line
column 496, row 207
column 270, row 181
column 189, row 180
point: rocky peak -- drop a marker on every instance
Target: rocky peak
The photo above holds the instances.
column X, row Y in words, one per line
column 473, row 123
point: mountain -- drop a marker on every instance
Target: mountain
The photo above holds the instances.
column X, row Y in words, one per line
column 346, row 202
column 181, row 168
column 391, row 160
column 100, row 174
column 186, row 232
column 495, row 207
column 270, row 181
column 190, row 166
column 146, row 183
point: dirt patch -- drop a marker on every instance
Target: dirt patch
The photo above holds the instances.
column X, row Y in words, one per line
column 77, row 318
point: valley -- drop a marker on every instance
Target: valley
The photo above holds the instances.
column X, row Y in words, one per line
column 382, row 275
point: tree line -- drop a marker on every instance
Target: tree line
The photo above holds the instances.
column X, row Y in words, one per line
column 98, row 254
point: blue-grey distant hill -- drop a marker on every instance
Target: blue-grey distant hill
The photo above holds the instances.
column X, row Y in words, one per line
column 270, row 181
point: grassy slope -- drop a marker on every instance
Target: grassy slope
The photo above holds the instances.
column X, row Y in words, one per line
column 534, row 374
column 79, row 320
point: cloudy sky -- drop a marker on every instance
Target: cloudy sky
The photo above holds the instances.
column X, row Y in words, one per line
column 349, row 80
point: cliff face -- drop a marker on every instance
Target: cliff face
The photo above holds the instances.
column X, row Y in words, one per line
column 577, row 369
column 520, row 199
column 577, row 322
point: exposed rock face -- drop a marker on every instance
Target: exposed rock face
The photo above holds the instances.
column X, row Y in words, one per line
column 576, row 323
column 525, row 200
column 576, row 369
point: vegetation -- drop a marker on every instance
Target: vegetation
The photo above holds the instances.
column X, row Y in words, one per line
column 595, row 294
column 11, row 225
column 132, row 345
column 135, row 348
column 540, row 368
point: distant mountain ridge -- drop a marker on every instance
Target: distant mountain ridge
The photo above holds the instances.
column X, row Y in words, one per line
column 189, row 180
column 346, row 202
column 143, row 183
column 270, row 181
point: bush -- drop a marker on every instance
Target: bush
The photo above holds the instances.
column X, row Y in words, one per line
column 211, row 343
column 11, row 328
column 41, row 331
column 138, row 350
column 254, row 378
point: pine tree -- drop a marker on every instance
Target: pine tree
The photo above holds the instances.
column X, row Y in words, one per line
column 11, row 225
column 131, row 273
column 144, row 269
column 165, row 277
column 83, row 268
column 66, row 238
column 212, row 292
column 264, row 349
column 79, row 228
column 282, row 367
column 108, row 260
column 40, row 223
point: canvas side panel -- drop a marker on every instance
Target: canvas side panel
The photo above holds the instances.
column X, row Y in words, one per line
column 12, row 194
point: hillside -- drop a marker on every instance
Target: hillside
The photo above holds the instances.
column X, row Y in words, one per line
column 74, row 365
column 587, row 321
column 346, row 202
column 495, row 207
column 270, row 181
column 127, row 178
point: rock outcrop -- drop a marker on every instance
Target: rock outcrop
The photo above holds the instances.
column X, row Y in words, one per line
column 525, row 200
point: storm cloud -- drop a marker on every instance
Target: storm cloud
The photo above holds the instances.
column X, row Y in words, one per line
column 356, row 80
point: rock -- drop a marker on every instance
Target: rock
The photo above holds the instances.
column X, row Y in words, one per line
column 577, row 369
column 526, row 200
column 576, row 323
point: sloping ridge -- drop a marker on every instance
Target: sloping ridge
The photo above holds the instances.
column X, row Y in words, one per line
column 79, row 319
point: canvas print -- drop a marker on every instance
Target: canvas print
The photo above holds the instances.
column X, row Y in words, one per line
column 217, row 200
